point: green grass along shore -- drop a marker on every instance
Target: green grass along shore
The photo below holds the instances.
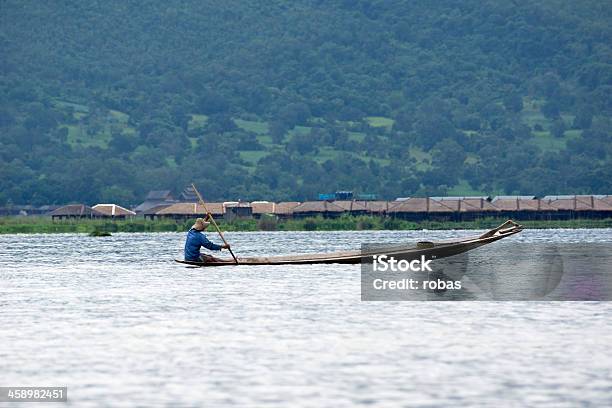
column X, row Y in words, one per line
column 43, row 225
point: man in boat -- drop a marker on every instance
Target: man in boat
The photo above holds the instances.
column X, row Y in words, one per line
column 196, row 239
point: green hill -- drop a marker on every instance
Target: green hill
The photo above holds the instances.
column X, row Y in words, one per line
column 103, row 101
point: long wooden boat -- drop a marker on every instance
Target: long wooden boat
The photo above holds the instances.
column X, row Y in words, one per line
column 434, row 250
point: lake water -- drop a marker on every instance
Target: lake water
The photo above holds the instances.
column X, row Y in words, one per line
column 120, row 324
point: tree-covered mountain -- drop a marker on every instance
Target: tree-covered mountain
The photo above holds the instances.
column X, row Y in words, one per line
column 271, row 99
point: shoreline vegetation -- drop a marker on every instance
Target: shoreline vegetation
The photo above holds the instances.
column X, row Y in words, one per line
column 43, row 225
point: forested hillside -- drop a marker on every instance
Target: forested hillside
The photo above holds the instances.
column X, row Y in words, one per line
column 268, row 99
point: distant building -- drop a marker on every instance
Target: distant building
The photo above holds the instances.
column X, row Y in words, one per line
column 455, row 198
column 444, row 208
column 151, row 212
column 524, row 208
column 580, row 206
column 376, row 207
column 114, row 211
column 472, row 208
column 237, row 210
column 414, row 209
column 325, row 209
column 514, row 197
column 352, row 207
column 189, row 195
column 154, row 199
column 75, row 211
column 262, row 207
column 284, row 209
column 460, row 208
column 183, row 211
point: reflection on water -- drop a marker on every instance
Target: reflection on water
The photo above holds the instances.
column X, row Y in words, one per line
column 116, row 320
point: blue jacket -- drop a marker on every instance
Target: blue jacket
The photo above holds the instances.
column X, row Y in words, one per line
column 195, row 240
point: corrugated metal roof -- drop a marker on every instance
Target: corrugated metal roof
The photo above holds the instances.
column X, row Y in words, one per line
column 460, row 198
column 182, row 209
column 262, row 207
column 155, row 209
column 506, row 204
column 581, row 203
column 585, row 203
column 476, row 205
column 113, row 210
column 607, row 199
column 216, row 208
column 317, row 207
column 522, row 204
column 377, row 206
column 350, row 205
column 346, row 205
column 444, row 206
column 603, row 204
column 568, row 204
column 411, row 205
column 558, row 197
column 147, row 205
column 285, row 207
column 192, row 209
column 518, row 197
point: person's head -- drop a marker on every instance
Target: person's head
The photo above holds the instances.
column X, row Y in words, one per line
column 200, row 224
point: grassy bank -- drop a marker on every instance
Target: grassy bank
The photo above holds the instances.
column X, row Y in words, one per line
column 29, row 225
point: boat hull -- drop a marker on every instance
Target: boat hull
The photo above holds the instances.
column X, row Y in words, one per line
column 433, row 250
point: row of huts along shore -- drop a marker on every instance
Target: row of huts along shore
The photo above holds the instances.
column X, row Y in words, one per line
column 160, row 205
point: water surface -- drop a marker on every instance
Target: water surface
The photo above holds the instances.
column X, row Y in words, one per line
column 121, row 324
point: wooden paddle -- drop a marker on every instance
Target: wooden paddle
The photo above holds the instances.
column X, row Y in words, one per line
column 209, row 214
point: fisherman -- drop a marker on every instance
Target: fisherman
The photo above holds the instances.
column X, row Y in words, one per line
column 196, row 239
